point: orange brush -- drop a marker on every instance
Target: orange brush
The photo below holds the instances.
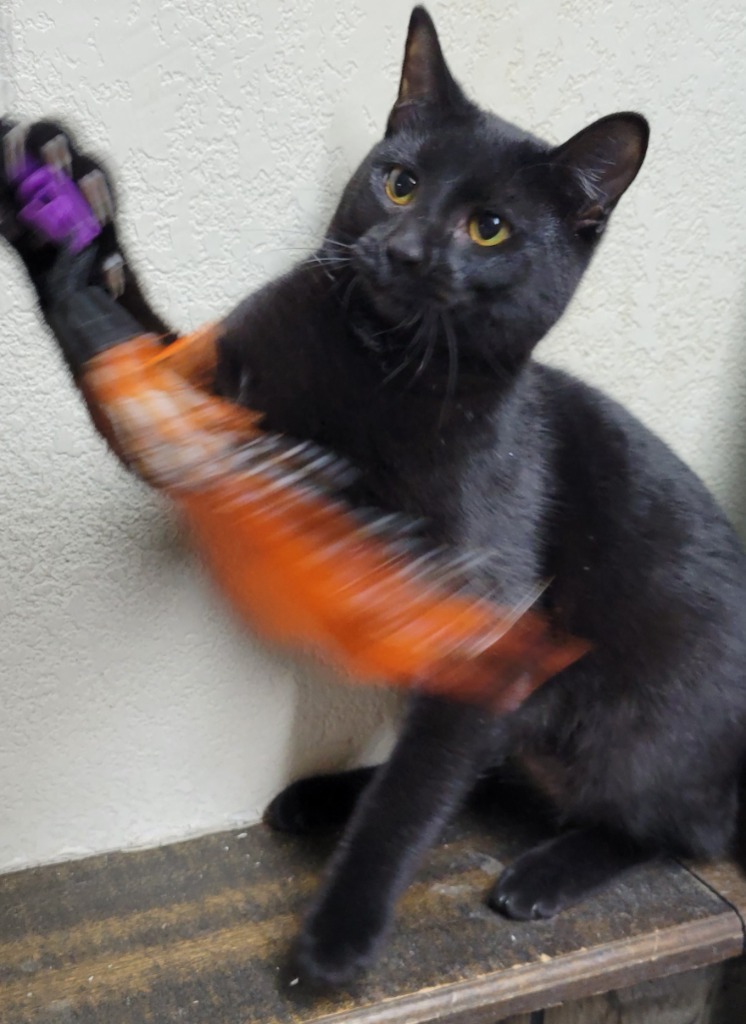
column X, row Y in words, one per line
column 293, row 559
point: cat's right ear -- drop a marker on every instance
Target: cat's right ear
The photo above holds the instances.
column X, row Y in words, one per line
column 598, row 165
column 426, row 83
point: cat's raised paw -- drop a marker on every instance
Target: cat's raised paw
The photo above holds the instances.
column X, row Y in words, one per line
column 26, row 147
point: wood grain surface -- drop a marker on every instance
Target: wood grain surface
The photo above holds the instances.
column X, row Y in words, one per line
column 198, row 932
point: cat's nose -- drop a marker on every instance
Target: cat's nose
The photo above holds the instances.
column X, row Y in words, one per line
column 405, row 248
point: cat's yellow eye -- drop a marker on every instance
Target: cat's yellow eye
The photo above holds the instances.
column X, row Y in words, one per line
column 400, row 186
column 488, row 229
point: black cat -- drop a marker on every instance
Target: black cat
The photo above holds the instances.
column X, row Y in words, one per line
column 405, row 343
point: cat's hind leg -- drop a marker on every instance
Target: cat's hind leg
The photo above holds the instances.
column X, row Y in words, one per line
column 319, row 803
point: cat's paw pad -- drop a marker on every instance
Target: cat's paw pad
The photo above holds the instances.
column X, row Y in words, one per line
column 530, row 889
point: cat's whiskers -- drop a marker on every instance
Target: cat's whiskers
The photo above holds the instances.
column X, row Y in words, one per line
column 452, row 380
column 330, row 248
column 431, row 327
column 348, row 291
column 404, row 324
column 334, row 241
column 327, row 261
column 410, row 350
column 321, row 254
column 318, row 258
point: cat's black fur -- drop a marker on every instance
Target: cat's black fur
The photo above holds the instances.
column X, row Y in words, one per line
column 407, row 347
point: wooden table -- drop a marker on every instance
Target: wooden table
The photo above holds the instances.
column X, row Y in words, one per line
column 196, row 932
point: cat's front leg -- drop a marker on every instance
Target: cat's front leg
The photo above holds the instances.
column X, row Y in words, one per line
column 434, row 765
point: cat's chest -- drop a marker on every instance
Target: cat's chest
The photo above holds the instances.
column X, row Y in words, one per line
column 432, row 455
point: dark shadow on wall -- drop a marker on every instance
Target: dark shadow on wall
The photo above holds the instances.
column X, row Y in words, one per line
column 337, row 725
column 734, row 494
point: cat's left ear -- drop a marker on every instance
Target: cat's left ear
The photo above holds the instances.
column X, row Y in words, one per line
column 598, row 166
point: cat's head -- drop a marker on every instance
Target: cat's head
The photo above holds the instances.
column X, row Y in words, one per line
column 459, row 216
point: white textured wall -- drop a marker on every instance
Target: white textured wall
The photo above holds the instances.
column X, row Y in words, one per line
column 132, row 709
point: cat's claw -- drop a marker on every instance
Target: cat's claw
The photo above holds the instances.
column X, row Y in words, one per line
column 57, row 154
column 98, row 196
column 113, row 271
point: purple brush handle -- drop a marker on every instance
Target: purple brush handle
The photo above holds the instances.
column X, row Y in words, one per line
column 54, row 206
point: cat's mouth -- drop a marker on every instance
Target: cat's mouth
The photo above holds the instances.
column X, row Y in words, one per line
column 398, row 293
column 398, row 301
